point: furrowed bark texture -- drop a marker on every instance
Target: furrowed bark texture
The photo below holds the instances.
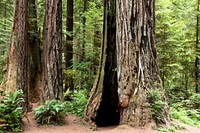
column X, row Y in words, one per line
column 22, row 51
column 136, row 53
column 23, row 66
column 52, row 70
column 102, row 108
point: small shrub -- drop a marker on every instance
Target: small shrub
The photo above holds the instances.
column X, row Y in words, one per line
column 157, row 110
column 176, row 94
column 154, row 95
column 2, row 62
column 158, row 106
column 52, row 112
column 77, row 104
column 171, row 128
column 11, row 113
column 187, row 116
column 194, row 101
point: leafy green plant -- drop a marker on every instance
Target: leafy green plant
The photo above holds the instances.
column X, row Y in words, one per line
column 176, row 94
column 154, row 95
column 171, row 128
column 77, row 104
column 193, row 101
column 187, row 116
column 157, row 106
column 82, row 74
column 52, row 112
column 10, row 111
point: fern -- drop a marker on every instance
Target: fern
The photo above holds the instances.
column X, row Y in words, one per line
column 52, row 112
column 10, row 112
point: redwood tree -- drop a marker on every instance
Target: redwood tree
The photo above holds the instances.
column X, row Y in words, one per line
column 34, row 52
column 24, row 56
column 69, row 43
column 124, row 87
column 22, row 50
column 52, row 54
column 102, row 108
column 137, row 67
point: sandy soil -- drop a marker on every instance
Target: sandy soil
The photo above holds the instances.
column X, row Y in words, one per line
column 76, row 125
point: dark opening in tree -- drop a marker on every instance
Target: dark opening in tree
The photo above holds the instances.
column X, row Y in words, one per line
column 102, row 108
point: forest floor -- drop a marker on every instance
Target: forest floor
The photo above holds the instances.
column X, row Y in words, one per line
column 75, row 124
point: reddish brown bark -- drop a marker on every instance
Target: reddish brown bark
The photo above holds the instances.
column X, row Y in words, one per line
column 22, row 51
column 132, row 46
column 52, row 56
column 24, row 56
column 137, row 67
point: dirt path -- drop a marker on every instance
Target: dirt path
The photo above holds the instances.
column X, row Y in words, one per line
column 76, row 125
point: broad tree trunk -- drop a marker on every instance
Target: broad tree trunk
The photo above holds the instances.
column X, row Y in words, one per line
column 23, row 66
column 102, row 108
column 137, row 68
column 69, row 44
column 128, row 69
column 52, row 70
column 22, row 51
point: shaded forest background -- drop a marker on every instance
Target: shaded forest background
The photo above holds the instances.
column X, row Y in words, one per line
column 177, row 40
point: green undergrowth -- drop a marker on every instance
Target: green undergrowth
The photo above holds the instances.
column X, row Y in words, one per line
column 159, row 111
column 11, row 112
column 172, row 128
column 186, row 116
column 187, row 111
column 51, row 112
column 77, row 103
column 158, row 106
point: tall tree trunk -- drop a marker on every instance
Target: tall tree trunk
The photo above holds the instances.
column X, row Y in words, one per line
column 84, row 28
column 23, row 67
column 22, row 51
column 9, row 80
column 186, row 84
column 69, row 44
column 102, row 108
column 83, row 40
column 52, row 57
column 197, row 58
column 5, row 15
column 137, row 67
column 34, row 55
column 126, row 90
